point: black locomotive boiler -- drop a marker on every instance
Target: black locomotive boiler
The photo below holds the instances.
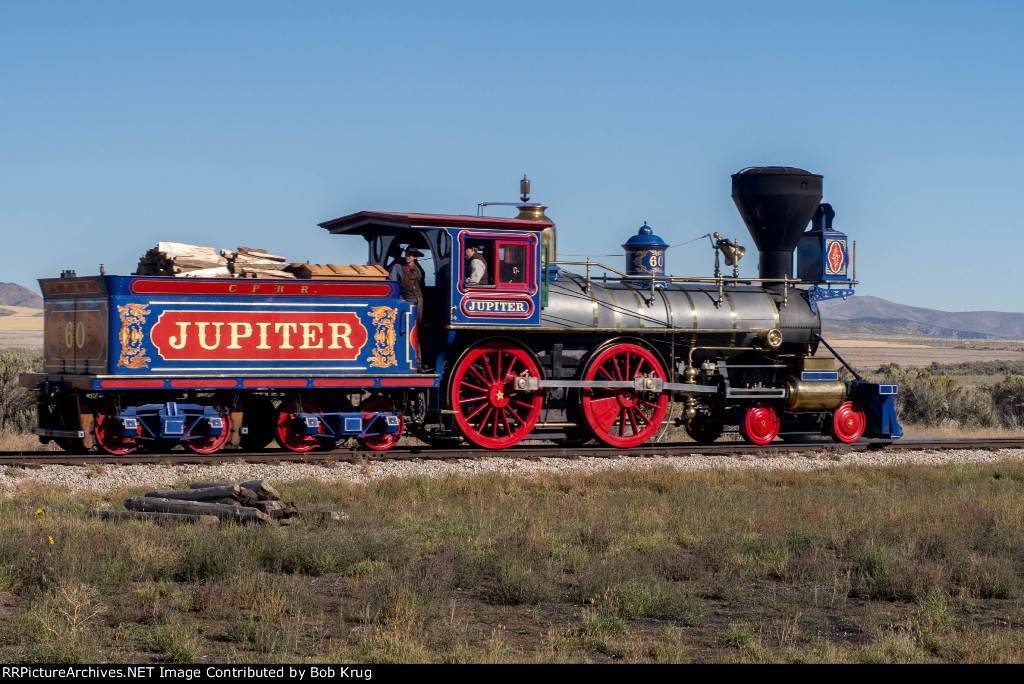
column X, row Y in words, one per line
column 511, row 342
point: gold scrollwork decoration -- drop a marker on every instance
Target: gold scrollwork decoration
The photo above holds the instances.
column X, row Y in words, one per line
column 133, row 317
column 383, row 354
column 645, row 261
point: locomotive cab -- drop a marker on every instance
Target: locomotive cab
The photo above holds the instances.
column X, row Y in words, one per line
column 507, row 250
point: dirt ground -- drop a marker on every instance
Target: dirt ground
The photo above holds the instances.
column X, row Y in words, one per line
column 868, row 355
column 22, row 329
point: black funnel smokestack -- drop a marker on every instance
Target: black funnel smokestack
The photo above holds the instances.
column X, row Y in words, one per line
column 776, row 203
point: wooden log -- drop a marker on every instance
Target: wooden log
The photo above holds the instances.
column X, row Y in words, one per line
column 245, row 497
column 212, row 268
column 153, row 263
column 264, row 490
column 254, row 262
column 193, row 263
column 243, row 514
column 219, row 272
column 176, row 518
column 183, row 249
column 226, row 502
column 275, row 509
column 261, row 273
column 260, row 254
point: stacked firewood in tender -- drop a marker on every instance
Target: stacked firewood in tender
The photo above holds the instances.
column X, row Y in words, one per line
column 255, row 502
column 256, row 263
column 195, row 261
column 180, row 259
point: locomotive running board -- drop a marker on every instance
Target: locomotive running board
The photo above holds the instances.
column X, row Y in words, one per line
column 47, row 432
column 638, row 384
column 754, row 393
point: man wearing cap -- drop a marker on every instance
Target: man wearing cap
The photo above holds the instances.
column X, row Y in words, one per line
column 409, row 275
column 476, row 267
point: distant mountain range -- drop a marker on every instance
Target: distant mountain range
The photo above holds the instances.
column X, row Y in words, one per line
column 871, row 314
column 16, row 295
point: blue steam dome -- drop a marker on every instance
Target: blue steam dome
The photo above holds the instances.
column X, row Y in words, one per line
column 645, row 254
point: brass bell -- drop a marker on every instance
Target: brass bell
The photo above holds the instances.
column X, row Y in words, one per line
column 733, row 252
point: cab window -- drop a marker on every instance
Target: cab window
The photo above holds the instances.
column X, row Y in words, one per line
column 511, row 264
column 497, row 263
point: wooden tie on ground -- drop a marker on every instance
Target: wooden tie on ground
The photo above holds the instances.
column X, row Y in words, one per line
column 254, row 502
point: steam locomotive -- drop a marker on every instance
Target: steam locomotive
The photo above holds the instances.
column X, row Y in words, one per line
column 540, row 348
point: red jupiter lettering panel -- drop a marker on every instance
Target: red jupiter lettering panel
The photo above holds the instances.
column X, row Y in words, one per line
column 258, row 335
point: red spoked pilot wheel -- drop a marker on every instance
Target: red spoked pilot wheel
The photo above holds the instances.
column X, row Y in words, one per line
column 849, row 422
column 621, row 416
column 489, row 408
column 760, row 423
column 290, row 430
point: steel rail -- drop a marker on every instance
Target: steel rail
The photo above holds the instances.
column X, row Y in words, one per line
column 531, row 452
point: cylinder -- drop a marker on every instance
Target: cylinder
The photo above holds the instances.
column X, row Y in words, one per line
column 814, row 395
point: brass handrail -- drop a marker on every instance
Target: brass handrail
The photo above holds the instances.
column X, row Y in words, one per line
column 720, row 281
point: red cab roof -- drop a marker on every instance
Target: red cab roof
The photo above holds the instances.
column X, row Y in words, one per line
column 358, row 222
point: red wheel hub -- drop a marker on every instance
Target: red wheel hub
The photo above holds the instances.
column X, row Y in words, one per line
column 849, row 422
column 290, row 430
column 761, row 423
column 490, row 410
column 621, row 416
column 385, row 441
column 498, row 395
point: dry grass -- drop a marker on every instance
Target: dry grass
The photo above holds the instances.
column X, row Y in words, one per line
column 950, row 432
column 15, row 440
column 844, row 565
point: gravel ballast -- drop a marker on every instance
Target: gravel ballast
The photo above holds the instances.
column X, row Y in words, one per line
column 113, row 477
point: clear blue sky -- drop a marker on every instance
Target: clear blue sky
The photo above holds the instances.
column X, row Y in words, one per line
column 247, row 123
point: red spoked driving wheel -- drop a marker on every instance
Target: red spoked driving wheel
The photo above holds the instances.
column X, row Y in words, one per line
column 290, row 429
column 622, row 416
column 760, row 423
column 110, row 436
column 490, row 410
column 208, row 444
column 382, row 442
column 849, row 422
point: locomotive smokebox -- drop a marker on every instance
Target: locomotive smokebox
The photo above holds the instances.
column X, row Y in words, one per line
column 776, row 203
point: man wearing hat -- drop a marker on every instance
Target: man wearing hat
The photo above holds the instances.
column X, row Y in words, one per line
column 476, row 267
column 409, row 274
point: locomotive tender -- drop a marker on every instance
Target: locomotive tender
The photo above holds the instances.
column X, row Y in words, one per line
column 535, row 350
